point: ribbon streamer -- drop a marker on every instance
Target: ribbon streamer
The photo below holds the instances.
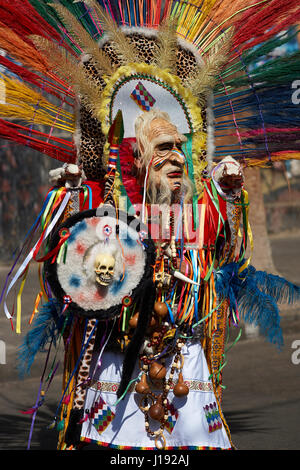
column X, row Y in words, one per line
column 55, row 250
column 18, row 324
column 30, row 255
column 36, row 304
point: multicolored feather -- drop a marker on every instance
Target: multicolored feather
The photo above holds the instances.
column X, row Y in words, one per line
column 251, row 94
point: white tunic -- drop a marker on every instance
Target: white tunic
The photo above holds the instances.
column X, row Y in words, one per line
column 123, row 425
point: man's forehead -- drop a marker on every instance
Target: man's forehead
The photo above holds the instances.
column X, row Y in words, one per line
column 159, row 126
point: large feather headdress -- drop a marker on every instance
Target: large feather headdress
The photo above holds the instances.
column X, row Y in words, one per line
column 138, row 69
column 70, row 66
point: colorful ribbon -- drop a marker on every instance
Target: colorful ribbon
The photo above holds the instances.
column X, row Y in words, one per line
column 64, row 235
column 29, row 257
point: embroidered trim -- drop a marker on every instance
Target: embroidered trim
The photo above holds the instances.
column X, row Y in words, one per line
column 172, row 418
column 213, row 417
column 194, row 386
column 101, row 416
column 142, row 97
column 120, row 447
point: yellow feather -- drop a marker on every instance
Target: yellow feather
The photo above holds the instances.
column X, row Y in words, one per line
column 26, row 104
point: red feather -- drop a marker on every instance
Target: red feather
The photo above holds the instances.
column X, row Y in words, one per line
column 22, row 18
column 13, row 132
column 29, row 77
column 259, row 23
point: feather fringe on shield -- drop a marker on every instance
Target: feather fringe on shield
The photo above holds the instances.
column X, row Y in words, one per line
column 44, row 330
column 254, row 295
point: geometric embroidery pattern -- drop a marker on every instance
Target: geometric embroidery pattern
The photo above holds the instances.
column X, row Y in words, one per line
column 101, row 415
column 142, row 97
column 213, row 417
column 194, row 386
column 172, row 418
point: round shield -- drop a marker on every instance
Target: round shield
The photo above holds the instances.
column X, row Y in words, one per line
column 106, row 260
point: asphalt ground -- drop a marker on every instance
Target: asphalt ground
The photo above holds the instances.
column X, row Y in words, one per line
column 261, row 401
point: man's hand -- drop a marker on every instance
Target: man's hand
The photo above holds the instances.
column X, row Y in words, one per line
column 69, row 175
column 229, row 176
column 229, row 182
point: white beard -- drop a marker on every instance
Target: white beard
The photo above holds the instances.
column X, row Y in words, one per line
column 164, row 195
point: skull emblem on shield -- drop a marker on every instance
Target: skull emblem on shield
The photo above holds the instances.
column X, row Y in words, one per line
column 104, row 267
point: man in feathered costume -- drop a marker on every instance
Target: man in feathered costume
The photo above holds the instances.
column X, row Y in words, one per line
column 144, row 257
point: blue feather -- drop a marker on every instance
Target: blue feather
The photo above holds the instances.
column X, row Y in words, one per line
column 255, row 294
column 279, row 288
column 44, row 329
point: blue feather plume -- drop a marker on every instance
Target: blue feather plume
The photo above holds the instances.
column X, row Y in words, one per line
column 280, row 289
column 254, row 295
column 45, row 328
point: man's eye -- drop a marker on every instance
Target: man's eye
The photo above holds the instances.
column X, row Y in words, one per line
column 165, row 146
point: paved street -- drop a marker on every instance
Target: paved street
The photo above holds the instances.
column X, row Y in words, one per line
column 261, row 401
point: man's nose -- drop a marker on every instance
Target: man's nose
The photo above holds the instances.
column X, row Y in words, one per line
column 178, row 156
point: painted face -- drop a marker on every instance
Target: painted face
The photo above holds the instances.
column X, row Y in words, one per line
column 168, row 158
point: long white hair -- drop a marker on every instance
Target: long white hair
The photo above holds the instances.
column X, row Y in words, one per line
column 142, row 128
